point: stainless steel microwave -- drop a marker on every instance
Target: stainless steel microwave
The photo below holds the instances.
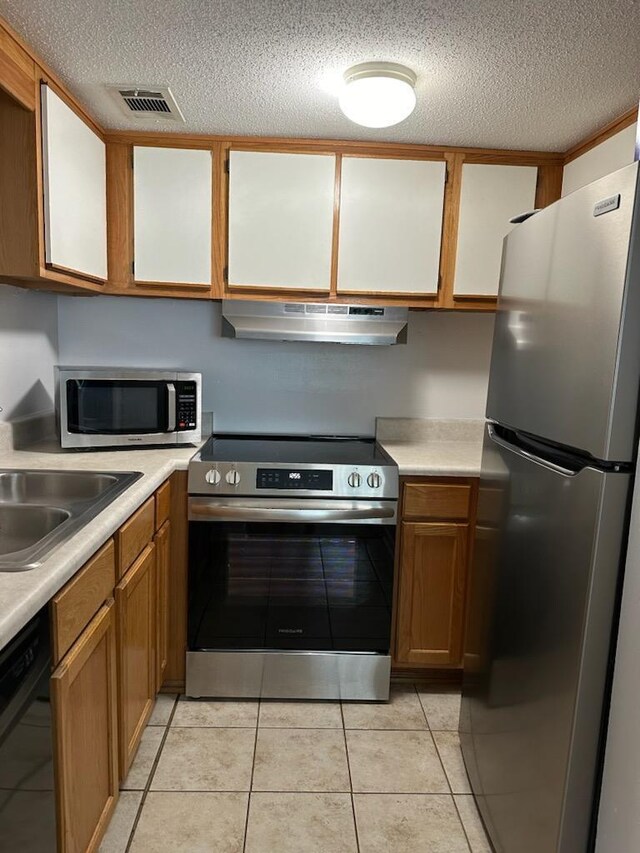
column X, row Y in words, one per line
column 118, row 407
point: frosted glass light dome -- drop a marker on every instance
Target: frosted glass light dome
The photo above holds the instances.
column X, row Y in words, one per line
column 378, row 94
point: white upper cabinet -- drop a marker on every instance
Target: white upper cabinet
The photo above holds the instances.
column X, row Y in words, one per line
column 614, row 153
column 172, row 192
column 390, row 225
column 75, row 190
column 490, row 196
column 281, row 220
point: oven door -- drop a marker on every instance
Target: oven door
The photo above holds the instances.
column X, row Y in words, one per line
column 301, row 575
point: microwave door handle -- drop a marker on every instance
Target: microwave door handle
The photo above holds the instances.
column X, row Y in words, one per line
column 171, row 407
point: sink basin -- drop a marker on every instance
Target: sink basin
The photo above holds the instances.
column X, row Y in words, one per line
column 41, row 510
column 24, row 526
column 44, row 486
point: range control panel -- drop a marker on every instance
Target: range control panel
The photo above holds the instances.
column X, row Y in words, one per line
column 186, row 406
column 291, row 478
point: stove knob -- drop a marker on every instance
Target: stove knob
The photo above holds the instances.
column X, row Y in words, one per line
column 374, row 480
column 213, row 476
column 233, row 477
column 355, row 480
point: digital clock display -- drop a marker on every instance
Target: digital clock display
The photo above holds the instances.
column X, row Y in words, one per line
column 288, row 478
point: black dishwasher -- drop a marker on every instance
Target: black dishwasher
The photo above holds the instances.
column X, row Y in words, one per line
column 27, row 802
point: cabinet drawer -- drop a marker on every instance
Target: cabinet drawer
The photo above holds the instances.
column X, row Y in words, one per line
column 163, row 504
column 134, row 535
column 78, row 602
column 436, row 500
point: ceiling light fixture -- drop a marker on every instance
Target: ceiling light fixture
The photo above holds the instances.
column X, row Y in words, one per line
column 378, row 94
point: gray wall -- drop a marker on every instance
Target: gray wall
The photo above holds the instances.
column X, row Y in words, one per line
column 28, row 351
column 264, row 386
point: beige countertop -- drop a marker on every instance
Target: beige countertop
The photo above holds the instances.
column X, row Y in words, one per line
column 433, row 448
column 419, row 447
column 22, row 594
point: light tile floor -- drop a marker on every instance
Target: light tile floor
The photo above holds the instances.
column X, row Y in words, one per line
column 300, row 777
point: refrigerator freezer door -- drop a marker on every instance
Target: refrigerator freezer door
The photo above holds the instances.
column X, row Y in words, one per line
column 566, row 351
column 542, row 592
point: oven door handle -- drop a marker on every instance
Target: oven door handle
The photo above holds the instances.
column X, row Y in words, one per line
column 238, row 511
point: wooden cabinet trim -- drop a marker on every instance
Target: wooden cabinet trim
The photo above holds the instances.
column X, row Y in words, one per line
column 130, row 727
column 450, row 219
column 17, row 70
column 174, row 677
column 602, row 134
column 335, row 146
column 77, row 602
column 549, row 185
column 66, row 739
column 134, row 535
column 162, row 541
column 19, row 199
column 163, row 503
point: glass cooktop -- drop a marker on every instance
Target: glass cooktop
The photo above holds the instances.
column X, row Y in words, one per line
column 296, row 449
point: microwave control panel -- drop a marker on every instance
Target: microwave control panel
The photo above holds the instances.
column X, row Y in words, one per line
column 186, row 406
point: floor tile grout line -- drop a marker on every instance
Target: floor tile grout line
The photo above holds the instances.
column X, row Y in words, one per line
column 253, row 767
column 353, row 805
column 147, row 786
column 444, row 769
column 306, row 791
column 424, row 713
column 464, row 828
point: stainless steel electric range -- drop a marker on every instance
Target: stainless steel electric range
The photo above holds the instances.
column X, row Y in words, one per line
column 291, row 558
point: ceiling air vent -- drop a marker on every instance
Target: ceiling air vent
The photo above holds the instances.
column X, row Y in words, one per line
column 147, row 102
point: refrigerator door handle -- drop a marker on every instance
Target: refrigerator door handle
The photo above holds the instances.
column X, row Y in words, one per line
column 526, row 454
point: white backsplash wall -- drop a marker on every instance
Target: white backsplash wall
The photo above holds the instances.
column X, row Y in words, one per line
column 28, row 351
column 261, row 386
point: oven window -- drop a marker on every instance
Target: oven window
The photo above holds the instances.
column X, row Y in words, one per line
column 116, row 407
column 290, row 586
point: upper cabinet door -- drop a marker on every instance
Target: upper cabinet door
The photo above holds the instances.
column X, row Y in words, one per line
column 390, row 225
column 172, row 191
column 491, row 195
column 281, row 220
column 614, row 153
column 75, row 190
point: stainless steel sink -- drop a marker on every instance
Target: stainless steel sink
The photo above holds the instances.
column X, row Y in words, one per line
column 41, row 510
column 24, row 526
column 43, row 486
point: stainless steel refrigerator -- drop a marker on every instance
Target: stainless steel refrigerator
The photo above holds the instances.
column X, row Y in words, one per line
column 558, row 454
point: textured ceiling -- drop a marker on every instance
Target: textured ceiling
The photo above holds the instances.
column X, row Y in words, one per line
column 499, row 73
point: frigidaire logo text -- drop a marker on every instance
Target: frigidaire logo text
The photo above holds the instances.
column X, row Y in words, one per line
column 289, row 630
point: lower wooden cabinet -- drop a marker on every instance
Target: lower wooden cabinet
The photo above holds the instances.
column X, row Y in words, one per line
column 84, row 702
column 431, row 593
column 136, row 642
column 436, row 537
column 162, row 542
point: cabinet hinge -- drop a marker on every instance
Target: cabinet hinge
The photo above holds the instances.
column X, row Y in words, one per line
column 226, row 165
column 446, row 173
column 132, row 158
column 225, row 275
column 133, row 268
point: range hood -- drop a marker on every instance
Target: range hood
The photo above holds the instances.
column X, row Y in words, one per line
column 317, row 322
